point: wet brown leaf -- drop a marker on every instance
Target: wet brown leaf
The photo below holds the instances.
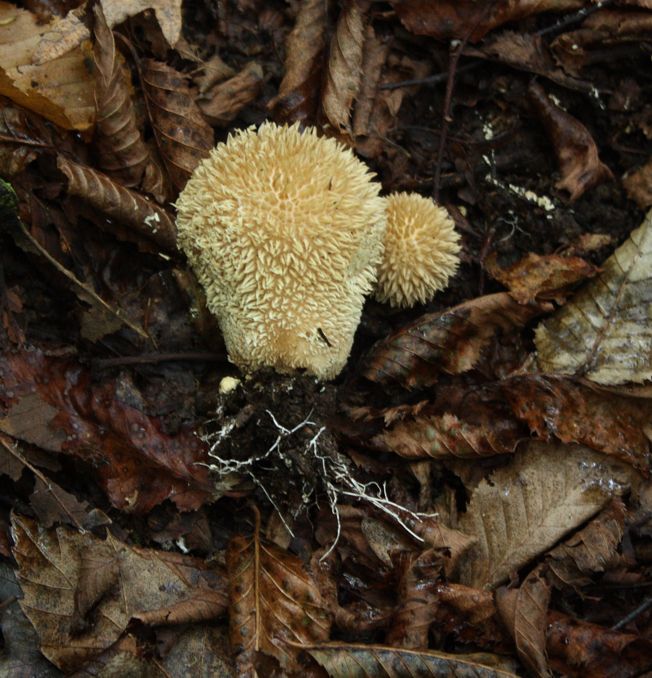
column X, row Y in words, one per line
column 578, row 649
column 184, row 138
column 451, row 341
column 298, row 92
column 592, row 549
column 603, row 29
column 122, row 153
column 60, row 89
column 574, row 413
column 128, row 208
column 343, row 660
column 527, row 507
column 138, row 465
column 420, row 576
column 638, row 185
column 461, row 19
column 273, row 602
column 224, row 101
column 342, row 80
column 577, row 154
column 537, row 277
column 603, row 332
column 527, row 52
column 524, row 612
column 65, row 574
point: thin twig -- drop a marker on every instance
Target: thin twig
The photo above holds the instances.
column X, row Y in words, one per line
column 646, row 604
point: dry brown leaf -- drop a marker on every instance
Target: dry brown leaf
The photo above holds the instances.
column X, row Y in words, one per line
column 451, row 341
column 224, row 101
column 524, row 612
column 168, row 14
column 461, row 19
column 184, row 138
column 342, row 80
column 638, row 185
column 200, row 652
column 345, row 660
column 592, row 549
column 60, row 89
column 299, row 90
column 122, row 153
column 130, row 209
column 603, row 333
column 525, row 508
column 541, row 277
column 372, row 131
column 273, row 602
column 374, row 53
column 65, row 574
column 577, row 154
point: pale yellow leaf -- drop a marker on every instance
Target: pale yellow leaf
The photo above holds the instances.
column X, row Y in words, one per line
column 525, row 508
column 604, row 332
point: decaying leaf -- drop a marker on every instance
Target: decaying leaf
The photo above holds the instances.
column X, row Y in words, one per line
column 528, row 506
column 603, row 332
column 537, row 277
column 52, row 402
column 638, row 185
column 122, row 153
column 343, row 660
column 528, row 52
column 479, row 429
column 577, row 154
column 65, row 574
column 592, row 549
column 60, row 88
column 598, row 32
column 451, row 341
column 168, row 14
column 129, row 208
column 578, row 649
column 467, row 19
column 201, row 651
column 273, row 602
column 182, row 135
column 575, row 413
column 299, row 90
column 342, row 79
column 524, row 612
column 224, row 101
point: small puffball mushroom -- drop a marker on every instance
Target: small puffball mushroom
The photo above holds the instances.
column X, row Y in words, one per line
column 284, row 230
column 421, row 250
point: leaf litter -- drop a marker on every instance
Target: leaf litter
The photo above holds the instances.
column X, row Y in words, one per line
column 471, row 497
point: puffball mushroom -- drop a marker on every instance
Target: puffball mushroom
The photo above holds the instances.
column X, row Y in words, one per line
column 284, row 230
column 421, row 250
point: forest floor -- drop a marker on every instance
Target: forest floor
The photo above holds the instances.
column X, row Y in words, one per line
column 471, row 496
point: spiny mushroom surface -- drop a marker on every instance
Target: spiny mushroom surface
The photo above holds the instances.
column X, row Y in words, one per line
column 421, row 250
column 284, row 230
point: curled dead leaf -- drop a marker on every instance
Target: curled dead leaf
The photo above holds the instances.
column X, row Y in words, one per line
column 576, row 151
column 451, row 341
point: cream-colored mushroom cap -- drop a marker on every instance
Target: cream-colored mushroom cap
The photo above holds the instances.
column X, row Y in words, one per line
column 421, row 250
column 284, row 230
